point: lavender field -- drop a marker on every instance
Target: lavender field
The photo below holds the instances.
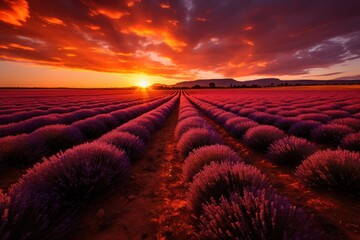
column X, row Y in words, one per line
column 180, row 164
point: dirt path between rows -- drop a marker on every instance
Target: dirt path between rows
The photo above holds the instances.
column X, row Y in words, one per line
column 335, row 214
column 151, row 204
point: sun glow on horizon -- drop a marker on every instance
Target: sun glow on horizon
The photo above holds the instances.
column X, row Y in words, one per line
column 143, row 84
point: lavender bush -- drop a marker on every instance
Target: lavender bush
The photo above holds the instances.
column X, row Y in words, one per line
column 235, row 109
column 273, row 110
column 330, row 134
column 255, row 215
column 228, row 106
column 19, row 116
column 289, row 113
column 260, row 137
column 303, row 128
column 189, row 123
column 160, row 118
column 334, row 114
column 333, row 169
column 58, row 137
column 109, row 120
column 27, row 126
column 187, row 114
column 81, row 114
column 224, row 116
column 91, row 128
column 23, row 148
column 356, row 115
column 131, row 144
column 203, row 156
column 221, row 179
column 121, row 115
column 77, row 174
column 246, row 111
column 290, row 150
column 239, row 129
column 35, row 215
column 349, row 122
column 351, row 142
column 233, row 121
column 195, row 138
column 138, row 130
column 285, row 123
column 264, row 118
column 150, row 121
column 323, row 118
column 353, row 108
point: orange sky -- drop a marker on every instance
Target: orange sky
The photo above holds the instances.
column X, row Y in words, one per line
column 88, row 43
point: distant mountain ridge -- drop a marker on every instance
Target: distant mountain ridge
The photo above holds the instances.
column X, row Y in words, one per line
column 263, row 82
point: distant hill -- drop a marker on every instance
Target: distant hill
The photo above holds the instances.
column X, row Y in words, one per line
column 264, row 82
column 224, row 82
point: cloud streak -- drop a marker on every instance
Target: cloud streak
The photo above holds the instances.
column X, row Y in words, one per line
column 14, row 12
column 182, row 38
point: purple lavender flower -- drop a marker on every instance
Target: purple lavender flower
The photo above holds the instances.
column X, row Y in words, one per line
column 203, row 156
column 131, row 144
column 285, row 123
column 58, row 137
column 195, row 138
column 255, row 215
column 315, row 117
column 91, row 128
column 138, row 130
column 77, row 174
column 238, row 130
column 35, row 215
column 263, row 117
column 221, row 179
column 333, row 169
column 330, row 134
column 189, row 123
column 334, row 114
column 290, row 150
column 351, row 142
column 19, row 149
column 260, row 137
column 350, row 122
column 225, row 116
column 303, row 128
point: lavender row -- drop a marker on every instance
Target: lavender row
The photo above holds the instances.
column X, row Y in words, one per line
column 332, row 128
column 30, row 125
column 290, row 104
column 59, row 109
column 331, row 169
column 230, row 199
column 334, row 135
column 27, row 148
column 341, row 132
column 45, row 201
column 54, row 101
column 30, row 104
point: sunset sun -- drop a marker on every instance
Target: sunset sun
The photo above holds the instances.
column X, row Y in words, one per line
column 143, row 84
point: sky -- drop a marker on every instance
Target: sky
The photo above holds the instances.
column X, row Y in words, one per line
column 118, row 43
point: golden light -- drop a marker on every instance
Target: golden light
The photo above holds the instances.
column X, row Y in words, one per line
column 143, row 84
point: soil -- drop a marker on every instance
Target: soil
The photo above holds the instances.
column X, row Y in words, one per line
column 338, row 215
column 151, row 204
